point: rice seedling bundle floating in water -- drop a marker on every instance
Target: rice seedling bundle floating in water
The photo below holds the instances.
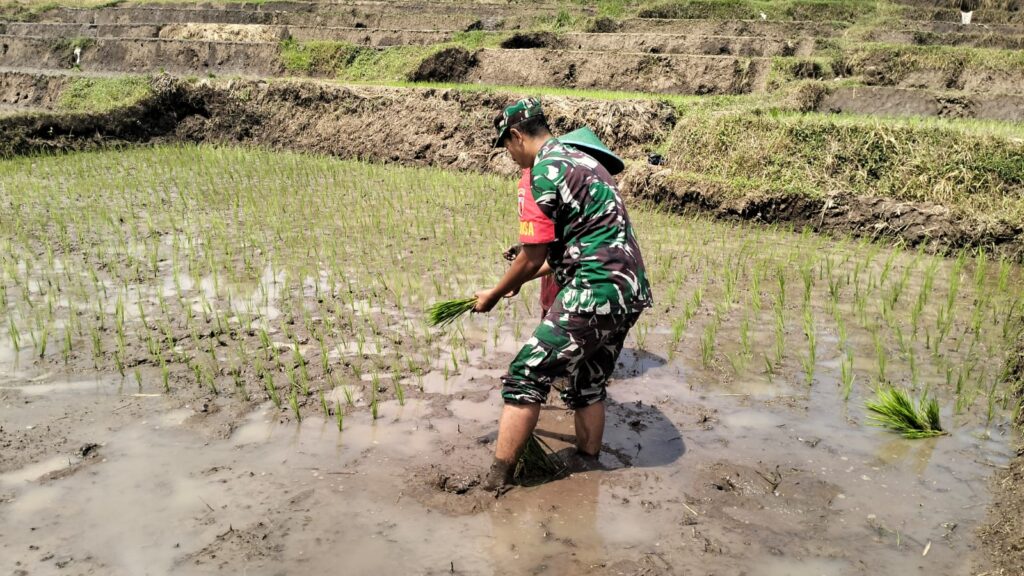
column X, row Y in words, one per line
column 894, row 409
column 447, row 311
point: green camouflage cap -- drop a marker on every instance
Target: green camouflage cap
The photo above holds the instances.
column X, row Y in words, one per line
column 514, row 114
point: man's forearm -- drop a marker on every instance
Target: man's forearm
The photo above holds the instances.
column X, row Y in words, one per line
column 520, row 272
column 545, row 270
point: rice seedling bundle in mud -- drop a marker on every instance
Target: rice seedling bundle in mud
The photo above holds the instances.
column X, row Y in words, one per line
column 537, row 464
column 184, row 269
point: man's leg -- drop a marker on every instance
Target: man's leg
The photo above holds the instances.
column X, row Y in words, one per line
column 550, row 353
column 516, row 425
column 588, row 385
column 590, row 429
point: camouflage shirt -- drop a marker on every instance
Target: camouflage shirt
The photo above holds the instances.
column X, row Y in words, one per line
column 575, row 208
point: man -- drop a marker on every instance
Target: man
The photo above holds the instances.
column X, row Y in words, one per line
column 574, row 223
column 584, row 140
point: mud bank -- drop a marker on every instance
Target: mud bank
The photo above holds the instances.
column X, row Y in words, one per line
column 405, row 16
column 917, row 223
column 31, row 90
column 749, row 46
column 882, row 101
column 764, row 28
column 140, row 55
column 446, row 128
column 666, row 74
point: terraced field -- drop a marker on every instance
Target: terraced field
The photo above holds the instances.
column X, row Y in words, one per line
column 220, row 224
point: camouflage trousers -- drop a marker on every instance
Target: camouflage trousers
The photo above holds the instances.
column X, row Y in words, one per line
column 581, row 347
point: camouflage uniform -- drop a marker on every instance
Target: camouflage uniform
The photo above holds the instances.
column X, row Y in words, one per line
column 575, row 208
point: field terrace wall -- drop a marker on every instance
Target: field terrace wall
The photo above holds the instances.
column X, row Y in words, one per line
column 425, row 16
column 887, row 101
column 450, row 129
column 664, row 73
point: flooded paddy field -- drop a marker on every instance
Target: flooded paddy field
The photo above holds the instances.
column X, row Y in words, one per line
column 216, row 360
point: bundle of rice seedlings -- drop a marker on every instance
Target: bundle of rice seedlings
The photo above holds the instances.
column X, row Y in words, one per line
column 446, row 312
column 537, row 464
column 894, row 409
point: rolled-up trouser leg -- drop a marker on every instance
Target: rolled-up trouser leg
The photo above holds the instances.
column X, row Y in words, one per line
column 583, row 347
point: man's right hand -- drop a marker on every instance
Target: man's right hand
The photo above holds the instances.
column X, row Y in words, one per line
column 512, row 252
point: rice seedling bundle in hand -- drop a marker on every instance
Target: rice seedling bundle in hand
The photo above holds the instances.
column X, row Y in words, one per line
column 445, row 312
column 894, row 409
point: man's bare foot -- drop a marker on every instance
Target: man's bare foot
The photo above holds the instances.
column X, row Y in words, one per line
column 499, row 477
column 580, row 461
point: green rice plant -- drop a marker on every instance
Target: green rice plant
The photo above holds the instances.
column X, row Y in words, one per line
column 642, row 329
column 66, row 350
column 745, row 346
column 444, row 313
column 780, row 339
column 810, row 361
column 271, row 388
column 537, row 463
column 323, row 403
column 374, row 394
column 12, row 331
column 399, row 392
column 847, row 376
column 769, row 369
column 678, row 330
column 324, row 358
column 737, row 363
column 293, row 401
column 165, row 375
column 707, row 344
column 43, row 337
column 240, row 389
column 339, row 415
column 894, row 409
column 881, row 355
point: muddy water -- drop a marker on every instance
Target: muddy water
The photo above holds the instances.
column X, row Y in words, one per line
column 777, row 484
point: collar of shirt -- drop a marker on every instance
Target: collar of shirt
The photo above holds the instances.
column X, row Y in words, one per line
column 546, row 149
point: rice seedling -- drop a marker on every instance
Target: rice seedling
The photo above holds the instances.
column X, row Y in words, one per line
column 293, row 401
column 537, row 463
column 339, row 416
column 271, row 388
column 846, row 375
column 444, row 313
column 894, row 409
column 374, row 388
column 707, row 344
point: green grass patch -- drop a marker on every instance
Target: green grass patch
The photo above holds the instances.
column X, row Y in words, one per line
column 962, row 167
column 896, row 60
column 352, row 62
column 104, row 94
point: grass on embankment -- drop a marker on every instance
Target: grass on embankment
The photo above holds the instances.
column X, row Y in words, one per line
column 975, row 173
column 368, row 64
column 104, row 94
